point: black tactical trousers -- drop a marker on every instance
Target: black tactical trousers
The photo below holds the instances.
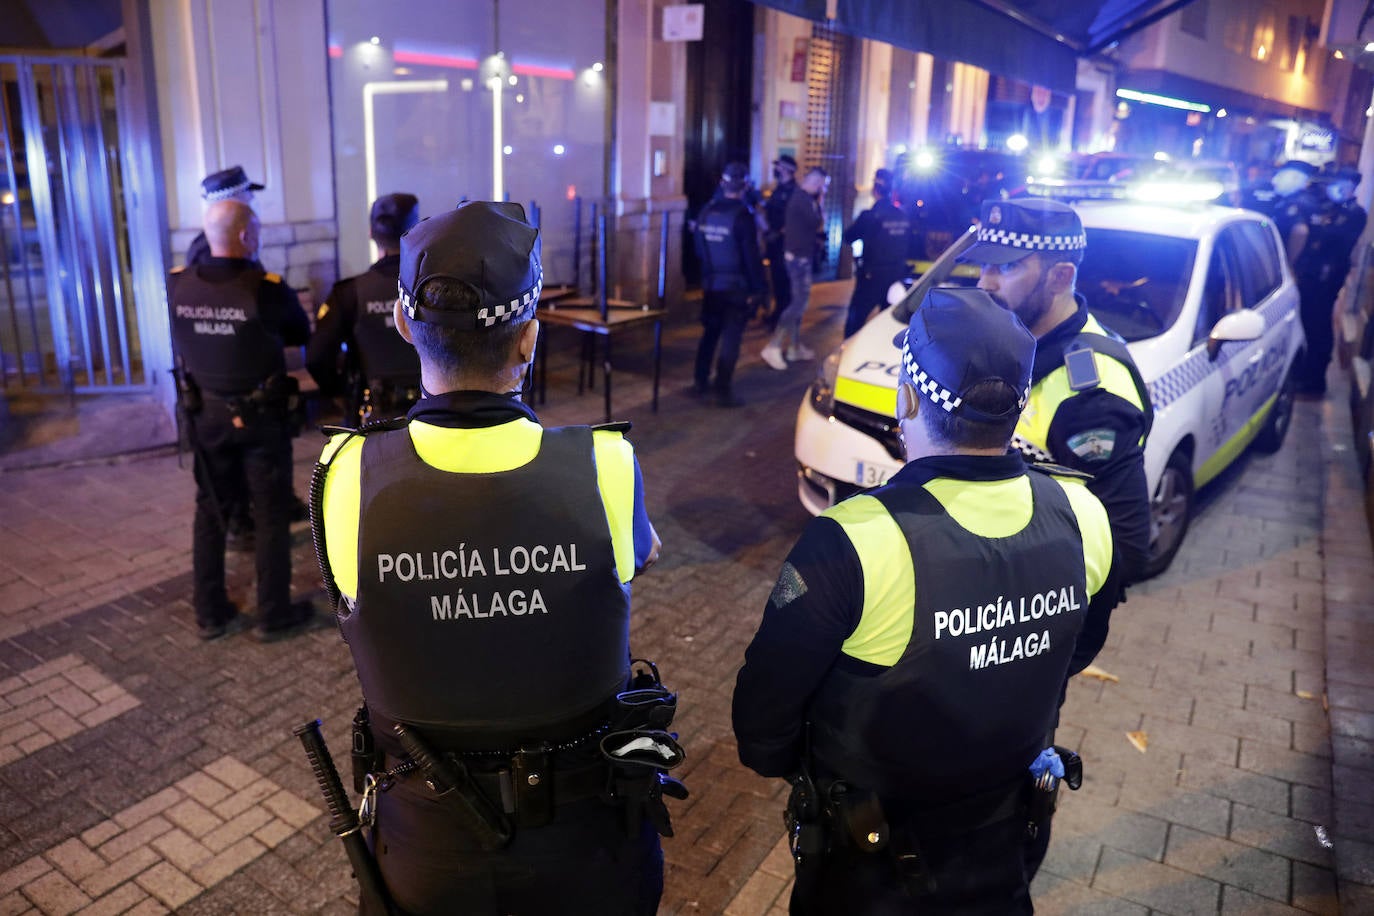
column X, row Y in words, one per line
column 1318, row 298
column 260, row 452
column 723, row 317
column 870, row 292
column 583, row 862
column 981, row 873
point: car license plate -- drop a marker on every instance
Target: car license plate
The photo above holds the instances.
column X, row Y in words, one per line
column 868, row 474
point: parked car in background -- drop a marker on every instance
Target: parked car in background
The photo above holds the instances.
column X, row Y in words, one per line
column 1207, row 304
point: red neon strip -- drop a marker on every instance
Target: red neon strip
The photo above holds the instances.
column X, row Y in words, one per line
column 434, row 60
column 557, row 73
column 335, row 51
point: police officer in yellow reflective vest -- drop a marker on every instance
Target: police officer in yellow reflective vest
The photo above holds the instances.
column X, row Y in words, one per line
column 1089, row 409
column 381, row 375
column 910, row 659
column 482, row 565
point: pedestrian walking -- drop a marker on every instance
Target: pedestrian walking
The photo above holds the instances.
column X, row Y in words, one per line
column 801, row 230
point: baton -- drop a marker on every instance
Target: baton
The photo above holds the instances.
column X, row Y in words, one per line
column 343, row 820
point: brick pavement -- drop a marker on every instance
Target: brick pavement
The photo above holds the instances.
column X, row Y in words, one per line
column 1227, row 663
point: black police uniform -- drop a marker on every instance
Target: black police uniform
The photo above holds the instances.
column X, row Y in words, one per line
column 775, row 213
column 1292, row 210
column 483, row 567
column 230, row 321
column 381, row 368
column 886, row 235
column 1321, row 269
column 1099, row 430
column 937, row 708
column 732, row 275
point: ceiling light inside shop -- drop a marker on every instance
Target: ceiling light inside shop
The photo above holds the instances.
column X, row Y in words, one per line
column 598, row 67
column 507, row 149
column 1369, row 48
column 375, row 40
column 1338, row 55
column 402, row 71
column 466, row 84
column 520, row 97
column 513, row 79
column 1221, row 112
column 559, row 149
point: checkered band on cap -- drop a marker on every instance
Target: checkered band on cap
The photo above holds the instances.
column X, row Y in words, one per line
column 489, row 315
column 226, row 193
column 932, row 389
column 516, row 308
column 1032, row 242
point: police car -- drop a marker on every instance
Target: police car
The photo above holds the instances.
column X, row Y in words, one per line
column 1207, row 304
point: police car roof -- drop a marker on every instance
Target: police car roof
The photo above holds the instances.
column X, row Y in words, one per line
column 1190, row 221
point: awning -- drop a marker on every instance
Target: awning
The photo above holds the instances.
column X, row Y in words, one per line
column 1036, row 41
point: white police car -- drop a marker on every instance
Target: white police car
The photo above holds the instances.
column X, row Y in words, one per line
column 1208, row 306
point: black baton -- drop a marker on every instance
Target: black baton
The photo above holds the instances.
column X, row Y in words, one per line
column 343, row 820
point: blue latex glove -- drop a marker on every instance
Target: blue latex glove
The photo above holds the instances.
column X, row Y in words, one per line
column 1047, row 760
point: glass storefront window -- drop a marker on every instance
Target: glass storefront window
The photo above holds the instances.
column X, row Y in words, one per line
column 454, row 99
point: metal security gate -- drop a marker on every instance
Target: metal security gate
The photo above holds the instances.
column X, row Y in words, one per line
column 68, row 319
column 832, row 98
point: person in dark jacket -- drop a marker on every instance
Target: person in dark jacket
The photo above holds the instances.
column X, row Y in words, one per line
column 1321, row 268
column 775, row 217
column 230, row 321
column 380, row 374
column 227, row 184
column 801, row 233
column 732, row 280
column 885, row 232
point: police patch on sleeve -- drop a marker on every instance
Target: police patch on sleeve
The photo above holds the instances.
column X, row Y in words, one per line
column 790, row 587
column 1093, row 444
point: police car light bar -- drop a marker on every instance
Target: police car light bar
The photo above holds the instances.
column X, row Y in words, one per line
column 1177, row 192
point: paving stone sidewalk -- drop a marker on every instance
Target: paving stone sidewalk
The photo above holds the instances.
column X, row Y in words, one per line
column 143, row 771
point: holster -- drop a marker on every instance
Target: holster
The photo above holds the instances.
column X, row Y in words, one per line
column 640, row 759
column 366, row 756
column 454, row 786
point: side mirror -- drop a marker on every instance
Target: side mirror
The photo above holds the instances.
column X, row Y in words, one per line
column 1238, row 326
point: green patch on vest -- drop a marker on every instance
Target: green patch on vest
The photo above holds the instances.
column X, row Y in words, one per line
column 790, row 587
column 1093, row 444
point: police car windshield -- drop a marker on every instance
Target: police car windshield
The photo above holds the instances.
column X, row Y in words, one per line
column 938, row 275
column 1135, row 282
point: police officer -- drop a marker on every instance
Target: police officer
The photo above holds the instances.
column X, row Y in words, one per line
column 885, row 233
column 230, row 320
column 731, row 280
column 483, row 567
column 775, row 216
column 1321, row 268
column 911, row 655
column 227, row 184
column 1293, row 205
column 1091, row 411
column 382, row 371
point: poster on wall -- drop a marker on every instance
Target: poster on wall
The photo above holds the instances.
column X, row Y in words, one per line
column 684, row 22
column 789, row 121
column 799, row 51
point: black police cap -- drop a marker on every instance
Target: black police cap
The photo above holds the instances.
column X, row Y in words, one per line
column 489, row 246
column 1009, row 230
column 958, row 338
column 393, row 214
column 226, row 183
column 786, row 160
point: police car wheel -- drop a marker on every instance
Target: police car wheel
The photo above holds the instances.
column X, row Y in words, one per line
column 1270, row 437
column 1171, row 510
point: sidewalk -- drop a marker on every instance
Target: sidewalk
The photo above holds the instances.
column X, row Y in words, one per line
column 143, row 771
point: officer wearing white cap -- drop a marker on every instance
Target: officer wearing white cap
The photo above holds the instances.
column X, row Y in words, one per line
column 482, row 565
column 911, row 656
column 381, row 371
column 1293, row 204
column 1089, row 408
